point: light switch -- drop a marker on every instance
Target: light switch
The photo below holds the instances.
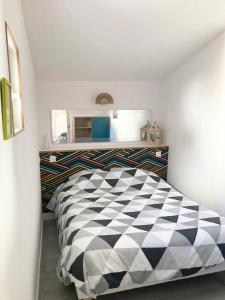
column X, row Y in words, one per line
column 52, row 158
column 158, row 153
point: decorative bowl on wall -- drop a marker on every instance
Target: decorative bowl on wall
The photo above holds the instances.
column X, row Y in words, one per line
column 103, row 99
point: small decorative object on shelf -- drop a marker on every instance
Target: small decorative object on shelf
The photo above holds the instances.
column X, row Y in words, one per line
column 115, row 114
column 46, row 142
column 151, row 133
column 103, row 99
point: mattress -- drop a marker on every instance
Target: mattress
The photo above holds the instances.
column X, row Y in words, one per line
column 127, row 228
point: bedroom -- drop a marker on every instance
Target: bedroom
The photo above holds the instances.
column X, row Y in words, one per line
column 158, row 61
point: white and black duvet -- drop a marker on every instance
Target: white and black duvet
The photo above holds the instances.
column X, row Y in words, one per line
column 128, row 228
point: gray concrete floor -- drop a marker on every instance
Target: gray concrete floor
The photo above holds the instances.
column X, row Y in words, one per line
column 208, row 287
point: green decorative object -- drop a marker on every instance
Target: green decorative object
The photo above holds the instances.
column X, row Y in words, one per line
column 7, row 111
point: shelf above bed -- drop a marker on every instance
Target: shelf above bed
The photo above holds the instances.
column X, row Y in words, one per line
column 100, row 146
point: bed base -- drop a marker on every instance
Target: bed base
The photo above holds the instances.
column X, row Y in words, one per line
column 91, row 298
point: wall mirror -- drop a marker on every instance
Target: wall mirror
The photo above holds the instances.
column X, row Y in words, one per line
column 15, row 80
column 82, row 126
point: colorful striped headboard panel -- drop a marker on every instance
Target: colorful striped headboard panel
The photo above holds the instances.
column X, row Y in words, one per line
column 71, row 162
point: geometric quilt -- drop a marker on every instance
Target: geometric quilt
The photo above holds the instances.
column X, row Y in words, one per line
column 128, row 228
column 70, row 162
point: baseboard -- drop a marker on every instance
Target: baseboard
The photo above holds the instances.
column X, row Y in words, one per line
column 39, row 261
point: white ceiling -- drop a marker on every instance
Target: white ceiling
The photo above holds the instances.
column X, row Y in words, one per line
column 118, row 39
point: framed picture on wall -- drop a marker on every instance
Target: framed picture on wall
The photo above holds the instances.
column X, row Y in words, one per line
column 15, row 79
column 7, row 109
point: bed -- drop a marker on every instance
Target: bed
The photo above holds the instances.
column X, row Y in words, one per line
column 127, row 228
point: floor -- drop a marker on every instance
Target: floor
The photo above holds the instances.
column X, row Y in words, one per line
column 208, row 287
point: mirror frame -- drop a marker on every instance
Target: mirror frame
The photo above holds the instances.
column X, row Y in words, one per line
column 9, row 36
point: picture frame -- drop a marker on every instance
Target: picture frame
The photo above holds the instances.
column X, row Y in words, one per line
column 15, row 80
column 7, row 109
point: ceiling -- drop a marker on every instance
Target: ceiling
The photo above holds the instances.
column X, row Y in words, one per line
column 118, row 39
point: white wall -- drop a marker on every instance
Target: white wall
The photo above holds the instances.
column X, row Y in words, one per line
column 81, row 95
column 19, row 176
column 194, row 125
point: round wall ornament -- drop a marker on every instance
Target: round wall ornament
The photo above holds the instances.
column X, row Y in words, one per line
column 104, row 98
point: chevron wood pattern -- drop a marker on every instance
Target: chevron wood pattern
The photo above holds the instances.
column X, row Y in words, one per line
column 70, row 162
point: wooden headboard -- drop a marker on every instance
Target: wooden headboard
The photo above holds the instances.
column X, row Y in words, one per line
column 71, row 162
